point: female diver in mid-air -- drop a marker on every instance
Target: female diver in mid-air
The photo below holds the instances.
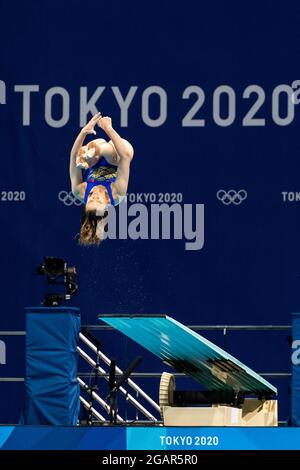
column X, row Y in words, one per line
column 106, row 177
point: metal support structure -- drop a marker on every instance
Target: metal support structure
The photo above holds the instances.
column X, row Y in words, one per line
column 127, row 395
column 92, row 409
column 97, row 397
column 102, row 373
column 130, row 382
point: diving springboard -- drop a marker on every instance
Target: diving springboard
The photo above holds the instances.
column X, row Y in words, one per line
column 191, row 353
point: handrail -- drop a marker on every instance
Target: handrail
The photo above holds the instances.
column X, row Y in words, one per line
column 97, row 397
column 210, row 327
column 223, row 328
column 154, row 374
column 192, row 327
column 130, row 382
column 128, row 396
column 92, row 409
column 12, row 333
column 150, row 375
column 144, row 375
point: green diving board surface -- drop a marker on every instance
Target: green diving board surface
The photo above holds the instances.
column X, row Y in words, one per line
column 191, row 353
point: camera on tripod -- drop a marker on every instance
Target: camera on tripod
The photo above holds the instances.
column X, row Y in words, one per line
column 57, row 272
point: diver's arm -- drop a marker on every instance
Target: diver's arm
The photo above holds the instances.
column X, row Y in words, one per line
column 75, row 172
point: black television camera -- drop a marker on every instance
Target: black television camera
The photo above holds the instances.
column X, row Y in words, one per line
column 57, row 272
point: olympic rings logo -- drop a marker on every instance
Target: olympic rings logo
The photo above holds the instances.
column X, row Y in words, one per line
column 232, row 196
column 68, row 198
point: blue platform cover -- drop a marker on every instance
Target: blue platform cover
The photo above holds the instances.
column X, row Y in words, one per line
column 295, row 386
column 51, row 386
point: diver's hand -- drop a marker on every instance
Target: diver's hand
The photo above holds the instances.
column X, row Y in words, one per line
column 89, row 127
column 105, row 123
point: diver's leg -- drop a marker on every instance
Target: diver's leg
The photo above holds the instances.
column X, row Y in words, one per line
column 121, row 183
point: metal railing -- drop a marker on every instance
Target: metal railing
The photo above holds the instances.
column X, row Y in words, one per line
column 225, row 328
column 101, row 372
column 148, row 375
column 192, row 327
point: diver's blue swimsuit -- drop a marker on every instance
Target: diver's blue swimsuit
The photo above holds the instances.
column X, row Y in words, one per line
column 102, row 173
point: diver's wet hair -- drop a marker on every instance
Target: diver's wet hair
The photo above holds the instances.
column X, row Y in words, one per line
column 88, row 227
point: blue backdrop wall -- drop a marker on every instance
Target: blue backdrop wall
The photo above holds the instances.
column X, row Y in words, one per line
column 209, row 109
